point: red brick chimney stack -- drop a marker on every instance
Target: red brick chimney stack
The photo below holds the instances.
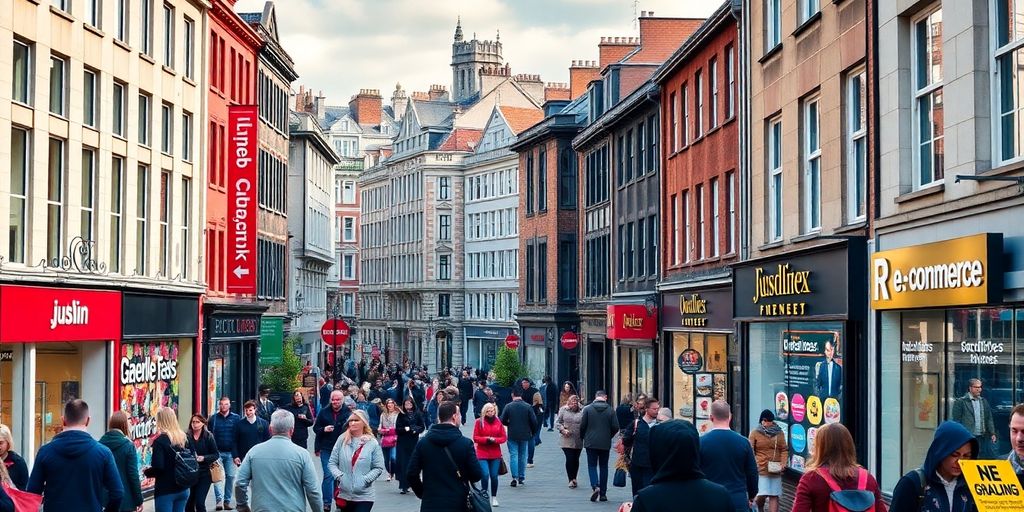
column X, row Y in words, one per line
column 366, row 107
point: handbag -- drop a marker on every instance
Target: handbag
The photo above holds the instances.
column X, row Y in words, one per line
column 620, row 478
column 24, row 501
column 338, row 500
column 774, row 466
column 502, row 468
column 216, row 472
column 477, row 500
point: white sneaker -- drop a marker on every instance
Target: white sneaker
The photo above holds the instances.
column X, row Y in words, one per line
column 494, row 502
column 529, row 465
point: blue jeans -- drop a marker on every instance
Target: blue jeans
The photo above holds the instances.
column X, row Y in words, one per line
column 490, row 468
column 517, row 453
column 390, row 465
column 327, row 487
column 534, row 441
column 223, row 491
column 597, row 465
column 171, row 502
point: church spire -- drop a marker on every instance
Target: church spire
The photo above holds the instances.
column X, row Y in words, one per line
column 458, row 30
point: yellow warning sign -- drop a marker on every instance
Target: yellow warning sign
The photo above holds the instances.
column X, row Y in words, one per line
column 994, row 485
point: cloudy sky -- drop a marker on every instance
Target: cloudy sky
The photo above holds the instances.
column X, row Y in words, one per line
column 341, row 46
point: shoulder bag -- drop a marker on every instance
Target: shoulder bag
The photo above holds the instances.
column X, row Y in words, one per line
column 775, row 466
column 477, row 500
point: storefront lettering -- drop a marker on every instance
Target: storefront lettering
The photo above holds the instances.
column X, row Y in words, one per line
column 693, row 305
column 960, row 274
column 631, row 321
column 783, row 283
column 916, row 351
column 982, row 351
column 797, row 345
column 147, row 371
column 71, row 314
column 235, row 326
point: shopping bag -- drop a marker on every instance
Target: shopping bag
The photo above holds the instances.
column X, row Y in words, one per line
column 502, row 468
column 24, row 501
column 620, row 478
column 216, row 472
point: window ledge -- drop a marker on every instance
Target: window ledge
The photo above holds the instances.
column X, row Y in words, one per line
column 777, row 50
column 918, row 194
column 62, row 14
column 123, row 45
column 95, row 30
column 146, row 57
column 803, row 27
column 805, row 237
column 860, row 224
column 1004, row 169
column 189, row 81
column 169, row 70
column 772, row 245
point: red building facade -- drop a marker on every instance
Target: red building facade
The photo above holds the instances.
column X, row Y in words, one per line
column 231, row 321
column 700, row 210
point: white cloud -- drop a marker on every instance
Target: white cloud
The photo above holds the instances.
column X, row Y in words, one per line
column 341, row 46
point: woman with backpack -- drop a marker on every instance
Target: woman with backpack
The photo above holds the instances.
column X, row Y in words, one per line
column 488, row 436
column 168, row 494
column 927, row 489
column 833, row 467
column 389, row 436
column 200, row 440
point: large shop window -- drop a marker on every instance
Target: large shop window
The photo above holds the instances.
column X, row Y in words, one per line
column 700, row 374
column 798, row 374
column 636, row 370
column 933, row 358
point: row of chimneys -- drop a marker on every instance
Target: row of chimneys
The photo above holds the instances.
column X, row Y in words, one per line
column 557, row 85
column 584, row 64
column 526, row 78
column 620, row 40
column 646, row 14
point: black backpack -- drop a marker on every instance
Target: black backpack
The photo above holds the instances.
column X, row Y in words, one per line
column 186, row 467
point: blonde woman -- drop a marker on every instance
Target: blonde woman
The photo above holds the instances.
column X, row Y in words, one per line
column 12, row 462
column 356, row 462
column 488, row 435
column 167, row 495
column 389, row 436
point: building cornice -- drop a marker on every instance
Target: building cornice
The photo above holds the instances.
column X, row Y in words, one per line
column 226, row 16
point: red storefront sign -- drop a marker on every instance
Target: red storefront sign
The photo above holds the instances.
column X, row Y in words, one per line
column 570, row 340
column 242, row 150
column 334, row 332
column 632, row 322
column 30, row 314
column 512, row 341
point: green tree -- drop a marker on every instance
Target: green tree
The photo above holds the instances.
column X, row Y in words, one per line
column 507, row 367
column 286, row 375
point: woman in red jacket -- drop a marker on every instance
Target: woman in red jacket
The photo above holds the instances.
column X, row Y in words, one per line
column 489, row 435
column 834, row 463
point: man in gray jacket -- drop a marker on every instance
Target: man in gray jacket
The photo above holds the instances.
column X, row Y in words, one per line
column 597, row 427
column 280, row 475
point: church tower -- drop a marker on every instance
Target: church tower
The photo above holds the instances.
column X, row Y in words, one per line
column 468, row 59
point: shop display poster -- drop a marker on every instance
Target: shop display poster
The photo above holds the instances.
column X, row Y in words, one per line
column 812, row 396
column 149, row 380
column 994, row 485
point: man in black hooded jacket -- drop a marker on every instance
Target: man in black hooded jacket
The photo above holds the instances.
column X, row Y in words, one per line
column 676, row 463
column 443, row 486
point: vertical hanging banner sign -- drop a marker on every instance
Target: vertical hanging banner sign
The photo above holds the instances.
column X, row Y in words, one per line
column 242, row 148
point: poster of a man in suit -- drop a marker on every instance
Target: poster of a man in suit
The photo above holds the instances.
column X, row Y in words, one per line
column 828, row 373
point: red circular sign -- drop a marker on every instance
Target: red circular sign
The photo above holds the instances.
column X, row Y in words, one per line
column 512, row 341
column 570, row 340
column 375, row 352
column 334, row 332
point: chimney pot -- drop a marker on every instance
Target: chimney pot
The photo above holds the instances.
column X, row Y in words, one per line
column 650, row 14
column 643, row 14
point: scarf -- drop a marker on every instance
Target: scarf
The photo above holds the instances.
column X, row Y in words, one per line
column 490, row 419
column 1018, row 465
column 771, row 431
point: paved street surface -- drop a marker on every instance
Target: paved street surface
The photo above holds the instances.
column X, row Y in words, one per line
column 546, row 486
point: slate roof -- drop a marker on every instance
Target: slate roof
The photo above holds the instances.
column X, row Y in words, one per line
column 461, row 139
column 519, row 118
column 251, row 17
column 434, row 113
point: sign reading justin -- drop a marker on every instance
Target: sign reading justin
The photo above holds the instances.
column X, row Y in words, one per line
column 31, row 314
column 148, row 376
column 242, row 143
column 956, row 272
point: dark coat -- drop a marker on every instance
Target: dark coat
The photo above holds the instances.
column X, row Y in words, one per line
column 417, row 395
column 17, row 469
column 465, row 389
column 502, row 396
column 72, row 471
column 325, row 440
column 625, row 415
column 551, row 396
column 248, row 435
column 6, row 504
column 678, row 483
column 527, row 393
column 300, row 435
column 949, row 437
column 638, row 438
column 264, row 411
column 206, row 446
column 521, row 421
column 598, row 426
column 443, row 488
column 162, row 467
column 479, row 400
column 409, row 425
column 223, row 428
column 127, row 459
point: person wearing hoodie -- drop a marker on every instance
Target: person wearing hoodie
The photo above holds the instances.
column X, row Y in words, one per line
column 597, row 427
column 1017, row 441
column 126, row 458
column 769, row 445
column 73, row 470
column 678, row 483
column 447, row 462
column 944, row 488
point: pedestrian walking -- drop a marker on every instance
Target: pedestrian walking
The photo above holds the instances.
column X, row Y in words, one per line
column 202, row 443
column 521, row 422
column 389, row 436
column 727, row 458
column 168, row 494
column 636, row 439
column 356, row 463
column 771, row 451
column 277, row 475
column 443, row 464
column 833, row 467
column 250, row 431
column 541, row 412
column 465, row 386
column 125, row 457
column 329, row 425
column 488, row 435
column 974, row 412
column 264, row 405
column 410, row 425
column 939, row 484
column 304, row 417
column 222, row 425
column 551, row 404
column 14, row 463
column 1017, row 441
column 678, row 483
column 73, row 471
column 568, row 390
column 480, row 397
column 625, row 413
column 597, row 427
column 568, row 425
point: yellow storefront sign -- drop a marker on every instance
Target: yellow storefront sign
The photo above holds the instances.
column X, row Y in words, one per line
column 994, row 485
column 957, row 272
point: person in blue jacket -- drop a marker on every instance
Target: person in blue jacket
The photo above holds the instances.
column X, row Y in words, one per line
column 222, row 424
column 940, row 473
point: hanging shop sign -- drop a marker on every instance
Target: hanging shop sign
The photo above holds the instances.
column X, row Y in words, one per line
column 794, row 286
column 957, row 272
column 334, row 332
column 271, row 340
column 242, row 175
column 234, row 326
column 570, row 340
column 632, row 322
column 512, row 341
column 32, row 314
column 704, row 309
